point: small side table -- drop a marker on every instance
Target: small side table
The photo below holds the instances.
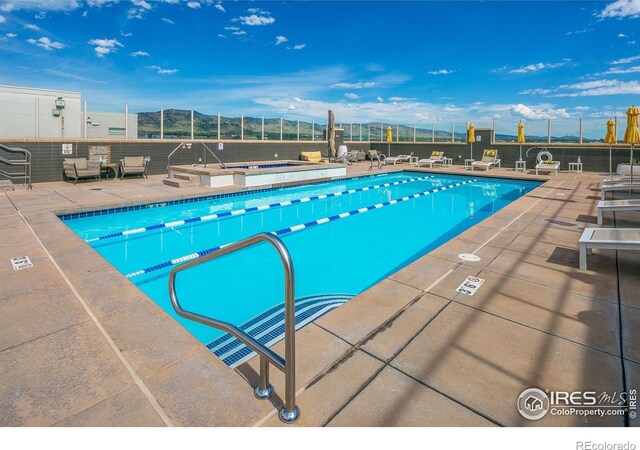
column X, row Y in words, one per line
column 413, row 160
column 521, row 166
column 110, row 166
column 447, row 162
column 468, row 163
column 575, row 167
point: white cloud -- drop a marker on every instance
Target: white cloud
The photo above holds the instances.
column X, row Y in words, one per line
column 441, row 72
column 621, row 8
column 601, row 87
column 536, row 91
column 219, row 7
column 358, row 85
column 622, row 35
column 239, row 33
column 164, row 19
column 162, row 71
column 619, row 70
column 525, row 112
column 2, row 19
column 126, row 35
column 7, row 7
column 380, row 99
column 46, row 43
column 584, row 30
column 352, row 96
column 400, row 99
column 41, row 15
column 139, row 53
column 539, row 66
column 231, row 28
column 11, row 35
column 626, row 60
column 31, row 26
column 193, row 5
column 281, row 39
column 134, row 13
column 141, row 4
column 222, row 36
column 39, row 5
column 257, row 20
column 299, row 46
column 105, row 46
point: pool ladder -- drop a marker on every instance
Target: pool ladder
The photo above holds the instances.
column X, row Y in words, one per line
column 290, row 412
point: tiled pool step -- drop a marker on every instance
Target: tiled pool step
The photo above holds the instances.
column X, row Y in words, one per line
column 268, row 327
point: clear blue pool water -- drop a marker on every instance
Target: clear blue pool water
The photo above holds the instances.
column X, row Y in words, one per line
column 333, row 261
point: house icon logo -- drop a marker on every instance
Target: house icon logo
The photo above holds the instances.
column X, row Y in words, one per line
column 533, row 404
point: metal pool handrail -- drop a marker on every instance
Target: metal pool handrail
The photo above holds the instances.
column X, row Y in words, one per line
column 290, row 412
column 187, row 145
column 12, row 162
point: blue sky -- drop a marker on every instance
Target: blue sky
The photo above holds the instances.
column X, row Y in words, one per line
column 407, row 62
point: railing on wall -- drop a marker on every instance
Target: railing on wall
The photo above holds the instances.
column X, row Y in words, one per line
column 25, row 163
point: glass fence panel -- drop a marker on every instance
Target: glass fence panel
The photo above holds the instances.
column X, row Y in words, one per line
column 375, row 133
column 289, row 130
column 565, row 130
column 442, row 132
column 272, row 129
column 177, row 124
column 306, row 131
column 229, row 128
column 424, row 133
column 318, row 134
column 460, row 132
column 594, row 130
column 148, row 125
column 535, row 131
column 252, row 128
column 205, row 126
column 405, row 133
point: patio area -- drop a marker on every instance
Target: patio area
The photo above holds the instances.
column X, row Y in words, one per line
column 82, row 346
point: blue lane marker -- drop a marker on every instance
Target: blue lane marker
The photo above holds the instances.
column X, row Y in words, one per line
column 237, row 212
column 299, row 227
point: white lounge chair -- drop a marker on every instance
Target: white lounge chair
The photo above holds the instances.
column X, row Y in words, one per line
column 397, row 159
column 614, row 187
column 435, row 158
column 617, row 205
column 489, row 158
column 609, row 239
column 548, row 166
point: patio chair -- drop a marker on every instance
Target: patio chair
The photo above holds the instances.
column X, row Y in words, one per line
column 609, row 239
column 136, row 165
column 617, row 205
column 614, row 187
column 548, row 166
column 435, row 158
column 77, row 168
column 397, row 159
column 489, row 159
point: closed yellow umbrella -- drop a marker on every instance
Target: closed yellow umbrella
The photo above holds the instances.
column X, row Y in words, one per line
column 520, row 136
column 611, row 138
column 471, row 136
column 632, row 134
column 389, row 139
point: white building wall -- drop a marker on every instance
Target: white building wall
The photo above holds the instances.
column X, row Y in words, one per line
column 28, row 113
column 111, row 126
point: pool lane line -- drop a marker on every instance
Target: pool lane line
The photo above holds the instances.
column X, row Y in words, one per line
column 299, row 227
column 177, row 223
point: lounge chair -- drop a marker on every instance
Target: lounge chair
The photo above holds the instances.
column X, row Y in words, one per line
column 435, row 158
column 489, row 158
column 609, row 239
column 548, row 166
column 397, row 159
column 77, row 168
column 617, row 205
column 133, row 165
column 614, row 187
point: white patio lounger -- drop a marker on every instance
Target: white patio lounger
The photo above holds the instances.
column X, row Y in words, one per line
column 617, row 205
column 489, row 158
column 397, row 159
column 548, row 166
column 609, row 239
column 435, row 158
column 618, row 187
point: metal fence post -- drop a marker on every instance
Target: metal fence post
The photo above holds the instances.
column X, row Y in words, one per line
column 281, row 127
column 581, row 130
column 548, row 131
column 161, row 123
column 262, row 128
column 192, row 124
column 218, row 126
column 433, row 132
column 298, row 130
column 242, row 127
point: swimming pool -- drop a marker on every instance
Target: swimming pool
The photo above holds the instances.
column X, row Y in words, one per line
column 344, row 236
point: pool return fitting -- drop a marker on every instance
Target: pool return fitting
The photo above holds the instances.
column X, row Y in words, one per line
column 289, row 412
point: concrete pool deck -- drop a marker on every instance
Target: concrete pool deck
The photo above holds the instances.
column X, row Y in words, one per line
column 82, row 346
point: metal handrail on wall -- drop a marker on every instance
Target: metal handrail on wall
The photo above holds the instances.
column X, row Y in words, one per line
column 290, row 412
column 26, row 162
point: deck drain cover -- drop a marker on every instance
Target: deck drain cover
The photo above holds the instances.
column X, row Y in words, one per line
column 468, row 257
